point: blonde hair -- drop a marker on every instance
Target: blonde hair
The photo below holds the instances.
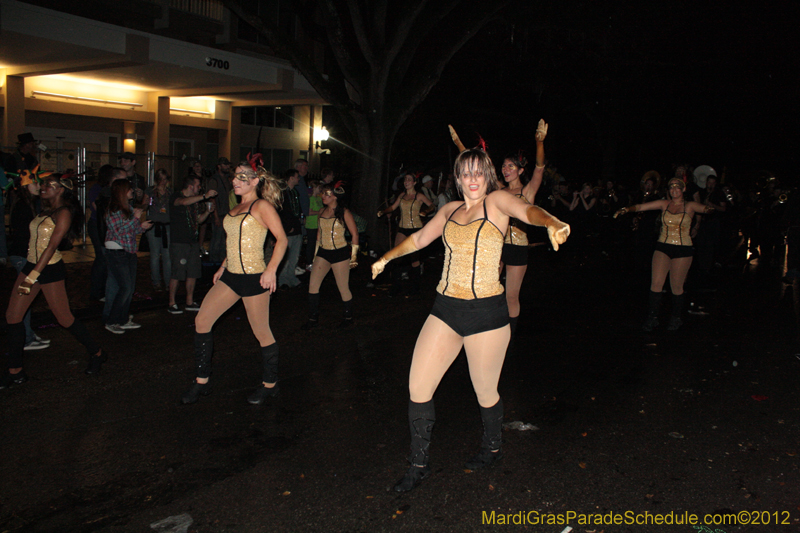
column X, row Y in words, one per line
column 270, row 188
column 476, row 161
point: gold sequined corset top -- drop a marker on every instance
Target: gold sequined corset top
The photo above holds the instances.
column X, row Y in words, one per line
column 42, row 228
column 517, row 233
column 409, row 214
column 245, row 243
column 331, row 234
column 675, row 228
column 471, row 259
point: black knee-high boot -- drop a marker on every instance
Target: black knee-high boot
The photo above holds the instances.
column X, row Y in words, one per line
column 492, row 437
column 269, row 374
column 675, row 321
column 96, row 356
column 82, row 335
column 313, row 312
column 421, row 417
column 16, row 347
column 16, row 344
column 203, row 348
column 348, row 314
column 653, row 306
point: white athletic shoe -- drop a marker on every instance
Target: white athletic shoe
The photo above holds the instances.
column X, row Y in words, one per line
column 115, row 328
column 35, row 345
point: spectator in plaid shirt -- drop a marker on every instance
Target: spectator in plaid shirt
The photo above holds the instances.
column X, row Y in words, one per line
column 123, row 226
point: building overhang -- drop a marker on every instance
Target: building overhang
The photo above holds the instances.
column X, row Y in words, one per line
column 62, row 54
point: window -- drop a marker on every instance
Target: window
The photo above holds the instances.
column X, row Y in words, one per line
column 281, row 117
column 278, row 10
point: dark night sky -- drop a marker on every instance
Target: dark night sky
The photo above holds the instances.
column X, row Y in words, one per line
column 679, row 81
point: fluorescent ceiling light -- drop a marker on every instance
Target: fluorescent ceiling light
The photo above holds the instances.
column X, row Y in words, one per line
column 189, row 111
column 87, row 99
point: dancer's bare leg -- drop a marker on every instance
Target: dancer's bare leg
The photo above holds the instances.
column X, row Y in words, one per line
column 436, row 349
column 514, row 276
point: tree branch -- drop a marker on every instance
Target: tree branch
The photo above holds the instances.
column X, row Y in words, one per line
column 360, row 32
column 404, row 24
column 379, row 22
column 437, row 20
column 428, row 69
column 287, row 47
column 353, row 69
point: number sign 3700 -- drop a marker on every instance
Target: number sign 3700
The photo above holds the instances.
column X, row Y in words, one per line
column 219, row 63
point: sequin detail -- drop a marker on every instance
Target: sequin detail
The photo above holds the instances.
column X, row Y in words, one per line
column 331, row 233
column 471, row 260
column 245, row 243
column 517, row 233
column 42, row 228
column 675, row 228
column 409, row 214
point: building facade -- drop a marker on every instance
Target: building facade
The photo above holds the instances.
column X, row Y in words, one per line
column 174, row 81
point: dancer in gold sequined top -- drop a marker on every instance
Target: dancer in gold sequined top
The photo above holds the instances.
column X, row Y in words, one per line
column 410, row 203
column 60, row 221
column 470, row 310
column 515, row 248
column 245, row 275
column 333, row 253
column 674, row 250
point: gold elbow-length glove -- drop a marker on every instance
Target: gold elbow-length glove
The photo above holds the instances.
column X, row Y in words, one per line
column 354, row 256
column 24, row 288
column 404, row 248
column 557, row 231
column 625, row 211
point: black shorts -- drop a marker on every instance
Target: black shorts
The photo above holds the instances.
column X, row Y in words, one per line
column 243, row 284
column 408, row 232
column 185, row 259
column 674, row 251
column 335, row 256
column 514, row 255
column 468, row 317
column 49, row 274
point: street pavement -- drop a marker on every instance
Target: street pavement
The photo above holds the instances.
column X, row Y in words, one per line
column 627, row 426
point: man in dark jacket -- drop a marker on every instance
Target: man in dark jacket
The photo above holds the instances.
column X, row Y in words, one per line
column 291, row 214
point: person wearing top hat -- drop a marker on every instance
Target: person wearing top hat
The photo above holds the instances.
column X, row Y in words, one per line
column 128, row 162
column 22, row 158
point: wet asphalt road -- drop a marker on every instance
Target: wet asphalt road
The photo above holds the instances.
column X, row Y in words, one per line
column 700, row 421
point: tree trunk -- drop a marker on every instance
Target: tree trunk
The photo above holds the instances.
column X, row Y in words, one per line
column 375, row 142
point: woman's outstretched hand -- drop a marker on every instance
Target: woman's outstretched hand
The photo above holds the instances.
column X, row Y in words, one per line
column 541, row 130
column 378, row 266
column 558, row 232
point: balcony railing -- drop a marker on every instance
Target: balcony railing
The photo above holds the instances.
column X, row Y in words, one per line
column 212, row 9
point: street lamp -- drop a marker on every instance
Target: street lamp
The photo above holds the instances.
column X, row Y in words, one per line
column 320, row 135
